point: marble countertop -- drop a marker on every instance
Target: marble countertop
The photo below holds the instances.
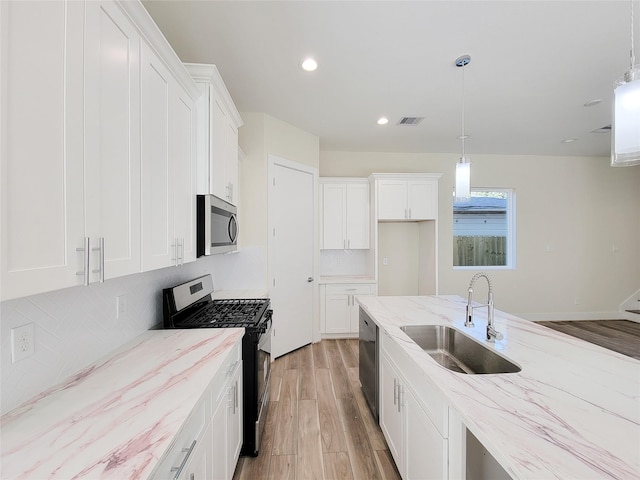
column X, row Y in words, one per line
column 347, row 279
column 117, row 417
column 573, row 412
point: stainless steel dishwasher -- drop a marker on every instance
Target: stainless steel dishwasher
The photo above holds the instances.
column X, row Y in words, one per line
column 368, row 346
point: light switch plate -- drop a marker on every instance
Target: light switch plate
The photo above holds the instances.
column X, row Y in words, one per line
column 22, row 342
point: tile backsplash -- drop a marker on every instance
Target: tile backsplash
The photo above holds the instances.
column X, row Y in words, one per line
column 346, row 262
column 76, row 326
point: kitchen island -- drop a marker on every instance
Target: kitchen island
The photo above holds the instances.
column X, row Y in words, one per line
column 119, row 416
column 573, row 411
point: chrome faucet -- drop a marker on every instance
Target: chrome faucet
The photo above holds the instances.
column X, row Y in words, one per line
column 492, row 333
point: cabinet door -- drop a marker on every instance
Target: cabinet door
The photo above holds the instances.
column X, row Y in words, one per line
column 390, row 412
column 42, row 146
column 333, row 216
column 234, row 423
column 182, row 146
column 337, row 313
column 392, row 200
column 426, row 450
column 157, row 182
column 231, row 167
column 219, row 127
column 199, row 464
column 219, row 441
column 112, row 135
column 422, row 200
column 357, row 216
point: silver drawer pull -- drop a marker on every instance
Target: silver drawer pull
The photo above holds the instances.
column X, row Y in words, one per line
column 179, row 469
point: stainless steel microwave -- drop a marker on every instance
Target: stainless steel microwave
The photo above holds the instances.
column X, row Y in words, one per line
column 217, row 226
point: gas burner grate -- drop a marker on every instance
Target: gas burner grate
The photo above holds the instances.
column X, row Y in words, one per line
column 228, row 313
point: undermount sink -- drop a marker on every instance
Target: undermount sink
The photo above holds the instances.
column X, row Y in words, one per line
column 458, row 352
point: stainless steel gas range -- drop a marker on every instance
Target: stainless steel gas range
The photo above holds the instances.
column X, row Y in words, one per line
column 190, row 305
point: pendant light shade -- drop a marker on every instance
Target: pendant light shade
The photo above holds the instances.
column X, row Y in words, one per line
column 463, row 181
column 625, row 139
column 625, row 128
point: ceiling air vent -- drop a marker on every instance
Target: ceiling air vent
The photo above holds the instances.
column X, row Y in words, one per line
column 605, row 129
column 410, row 120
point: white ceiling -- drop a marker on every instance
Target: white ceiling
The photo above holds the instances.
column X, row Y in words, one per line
column 533, row 66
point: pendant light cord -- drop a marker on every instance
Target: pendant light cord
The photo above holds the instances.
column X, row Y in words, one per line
column 462, row 134
column 633, row 57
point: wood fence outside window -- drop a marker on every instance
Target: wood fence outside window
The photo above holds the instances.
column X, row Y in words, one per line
column 479, row 251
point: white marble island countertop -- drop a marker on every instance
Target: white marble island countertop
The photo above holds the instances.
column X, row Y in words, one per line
column 117, row 417
column 573, row 412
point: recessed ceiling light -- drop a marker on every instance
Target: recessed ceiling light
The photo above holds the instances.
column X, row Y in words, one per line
column 593, row 102
column 569, row 140
column 309, row 65
column 383, row 121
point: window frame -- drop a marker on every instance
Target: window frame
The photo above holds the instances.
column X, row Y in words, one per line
column 511, row 231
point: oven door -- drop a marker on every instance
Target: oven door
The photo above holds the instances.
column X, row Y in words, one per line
column 264, row 360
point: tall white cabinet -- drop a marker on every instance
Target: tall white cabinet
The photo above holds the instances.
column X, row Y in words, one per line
column 74, row 169
column 217, row 134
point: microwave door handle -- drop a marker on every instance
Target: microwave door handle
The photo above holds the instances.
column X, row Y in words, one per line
column 233, row 228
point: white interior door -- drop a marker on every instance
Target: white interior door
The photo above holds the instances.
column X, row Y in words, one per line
column 292, row 220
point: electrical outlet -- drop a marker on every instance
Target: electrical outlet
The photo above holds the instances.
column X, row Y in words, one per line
column 385, row 261
column 22, row 342
column 121, row 305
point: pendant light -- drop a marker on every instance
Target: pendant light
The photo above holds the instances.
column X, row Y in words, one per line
column 463, row 167
column 625, row 138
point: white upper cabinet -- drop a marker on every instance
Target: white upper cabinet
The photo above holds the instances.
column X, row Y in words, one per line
column 217, row 135
column 42, row 158
column 407, row 196
column 72, row 170
column 168, row 166
column 112, row 139
column 345, row 214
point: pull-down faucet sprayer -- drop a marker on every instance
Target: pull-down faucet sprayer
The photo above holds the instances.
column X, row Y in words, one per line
column 492, row 334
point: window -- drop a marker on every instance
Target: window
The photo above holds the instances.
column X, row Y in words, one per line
column 484, row 230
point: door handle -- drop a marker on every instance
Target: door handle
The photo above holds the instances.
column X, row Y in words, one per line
column 310, row 279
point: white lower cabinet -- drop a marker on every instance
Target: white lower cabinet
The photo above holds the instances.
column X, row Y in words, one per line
column 419, row 447
column 208, row 444
column 339, row 310
column 227, row 429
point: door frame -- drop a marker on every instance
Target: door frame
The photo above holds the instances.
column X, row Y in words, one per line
column 273, row 162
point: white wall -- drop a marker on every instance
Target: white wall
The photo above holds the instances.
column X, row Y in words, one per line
column 261, row 136
column 76, row 326
column 570, row 213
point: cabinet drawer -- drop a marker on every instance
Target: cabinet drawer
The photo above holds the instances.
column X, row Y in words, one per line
column 424, row 391
column 183, row 444
column 219, row 382
column 351, row 289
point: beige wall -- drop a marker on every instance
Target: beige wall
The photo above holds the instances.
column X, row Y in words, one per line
column 261, row 136
column 570, row 213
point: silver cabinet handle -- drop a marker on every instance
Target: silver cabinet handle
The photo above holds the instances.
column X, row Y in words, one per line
column 85, row 261
column 348, row 243
column 409, row 213
column 179, row 469
column 395, row 391
column 100, row 249
column 236, row 397
column 182, row 251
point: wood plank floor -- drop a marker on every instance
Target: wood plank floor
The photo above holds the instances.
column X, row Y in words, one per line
column 319, row 425
column 622, row 336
